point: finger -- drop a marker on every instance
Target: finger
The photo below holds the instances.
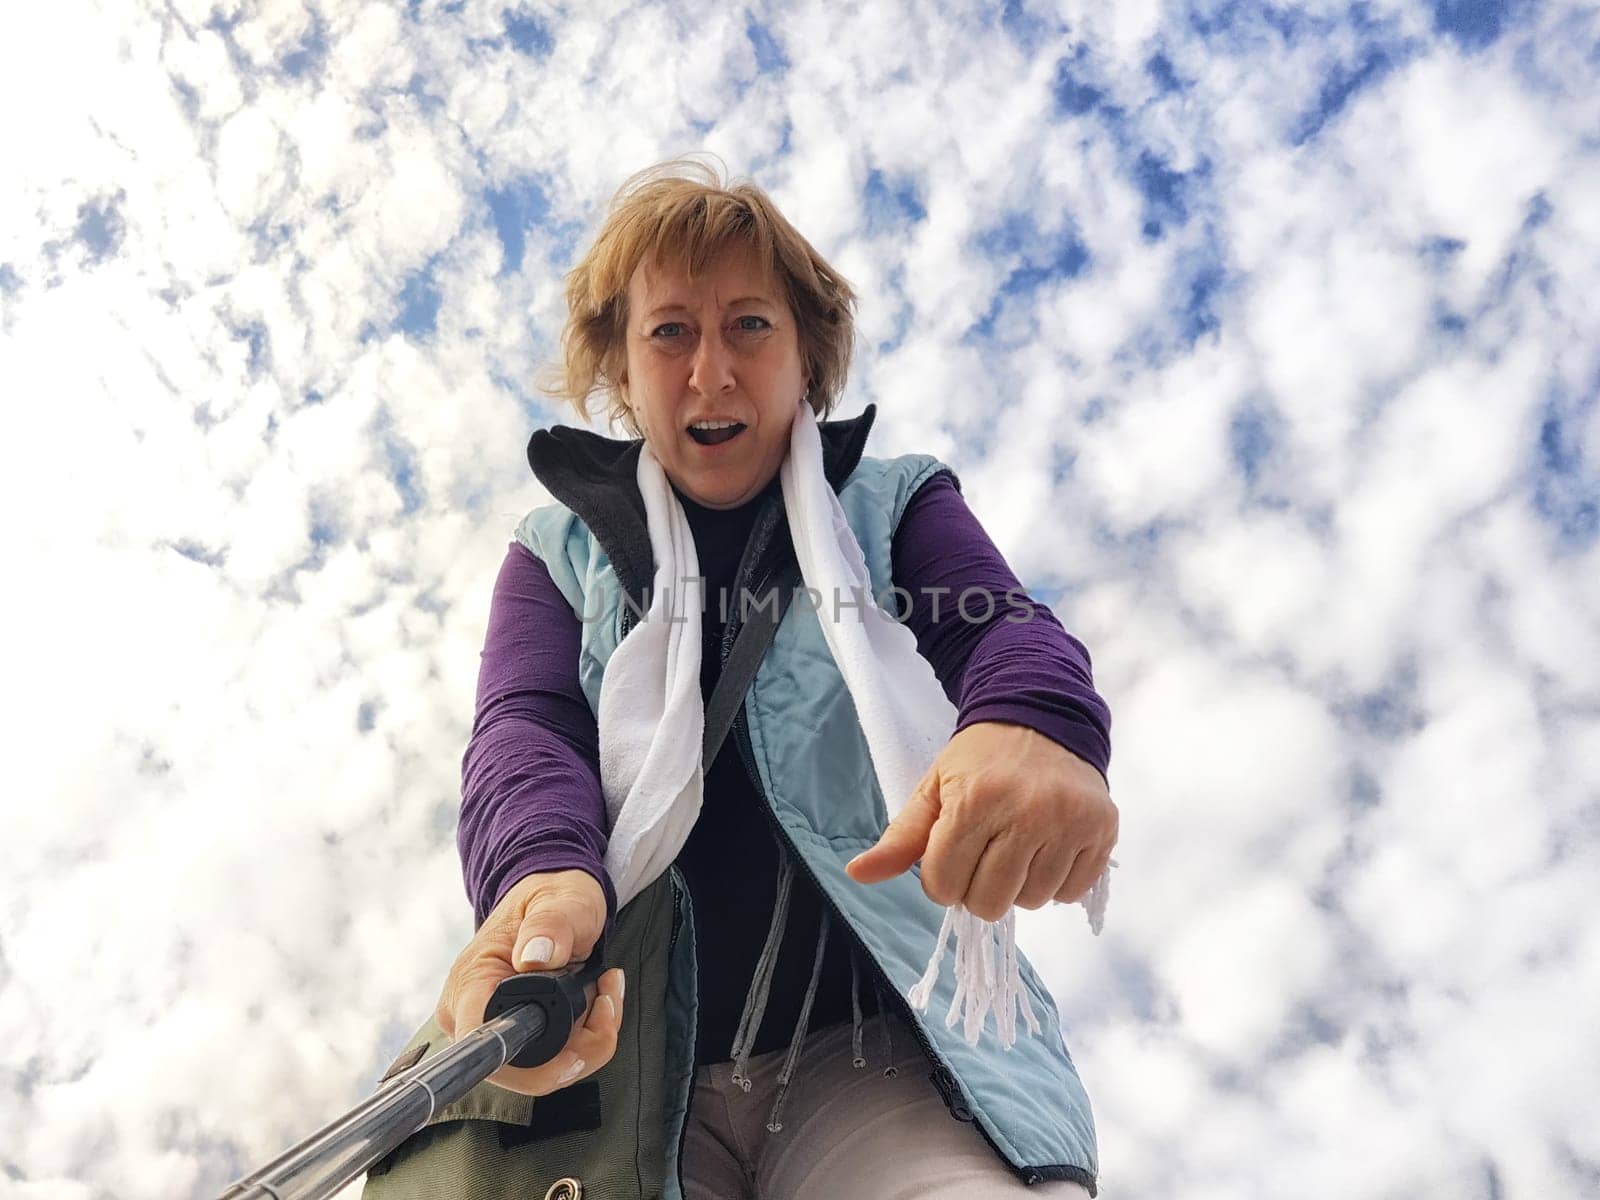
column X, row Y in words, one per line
column 955, row 846
column 1046, row 875
column 1001, row 873
column 904, row 840
column 1086, row 868
column 594, row 1039
column 548, row 937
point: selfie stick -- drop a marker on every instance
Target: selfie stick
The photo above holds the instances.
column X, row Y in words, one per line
column 526, row 1023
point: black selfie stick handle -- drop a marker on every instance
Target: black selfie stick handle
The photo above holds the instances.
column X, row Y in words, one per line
column 563, row 996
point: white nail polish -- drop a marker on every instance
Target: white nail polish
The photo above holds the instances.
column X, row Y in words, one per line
column 538, row 950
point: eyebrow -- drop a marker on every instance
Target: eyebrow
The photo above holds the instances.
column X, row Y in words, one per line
column 674, row 307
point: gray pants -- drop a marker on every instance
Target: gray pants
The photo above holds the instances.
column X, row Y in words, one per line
column 848, row 1133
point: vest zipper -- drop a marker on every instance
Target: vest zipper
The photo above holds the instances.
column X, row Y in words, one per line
column 677, row 920
column 946, row 1083
column 694, row 1032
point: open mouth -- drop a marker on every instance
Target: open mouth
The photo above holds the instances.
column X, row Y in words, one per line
column 715, row 437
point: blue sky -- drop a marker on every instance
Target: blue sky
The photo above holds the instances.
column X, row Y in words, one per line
column 1264, row 342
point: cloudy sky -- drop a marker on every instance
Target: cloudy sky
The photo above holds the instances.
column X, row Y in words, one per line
column 1264, row 340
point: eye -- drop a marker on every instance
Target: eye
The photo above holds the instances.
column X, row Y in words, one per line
column 657, row 332
column 753, row 328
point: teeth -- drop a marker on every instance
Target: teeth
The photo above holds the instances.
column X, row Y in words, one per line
column 713, row 424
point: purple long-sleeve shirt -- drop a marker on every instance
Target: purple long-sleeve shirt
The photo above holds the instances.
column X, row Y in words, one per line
column 531, row 797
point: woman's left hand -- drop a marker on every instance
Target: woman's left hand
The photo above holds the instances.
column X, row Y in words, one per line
column 1005, row 816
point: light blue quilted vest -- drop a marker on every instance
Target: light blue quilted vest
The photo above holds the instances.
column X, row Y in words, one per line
column 812, row 759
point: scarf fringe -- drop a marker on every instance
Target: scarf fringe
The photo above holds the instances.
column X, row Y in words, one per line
column 980, row 987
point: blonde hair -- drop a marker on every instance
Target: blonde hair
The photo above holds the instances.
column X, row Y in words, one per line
column 680, row 213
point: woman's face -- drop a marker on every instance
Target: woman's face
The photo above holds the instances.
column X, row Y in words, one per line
column 723, row 348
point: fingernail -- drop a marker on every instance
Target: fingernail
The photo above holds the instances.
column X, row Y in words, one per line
column 611, row 1008
column 572, row 1071
column 622, row 984
column 538, row 950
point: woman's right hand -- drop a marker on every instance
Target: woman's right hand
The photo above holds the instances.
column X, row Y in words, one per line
column 568, row 908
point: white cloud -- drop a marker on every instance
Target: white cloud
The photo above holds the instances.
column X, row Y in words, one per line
column 1300, row 448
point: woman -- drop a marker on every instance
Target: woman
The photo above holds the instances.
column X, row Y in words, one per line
column 737, row 1067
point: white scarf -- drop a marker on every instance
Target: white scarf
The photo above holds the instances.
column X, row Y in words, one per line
column 652, row 723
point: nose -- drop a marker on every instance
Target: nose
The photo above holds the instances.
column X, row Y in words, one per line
column 713, row 365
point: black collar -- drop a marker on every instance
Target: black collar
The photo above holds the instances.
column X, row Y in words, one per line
column 596, row 478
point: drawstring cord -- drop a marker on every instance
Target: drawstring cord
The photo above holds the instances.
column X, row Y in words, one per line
column 784, row 1076
column 755, row 1001
column 889, row 1070
column 856, row 1059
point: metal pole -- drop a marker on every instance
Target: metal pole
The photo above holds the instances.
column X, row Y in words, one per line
column 530, row 1017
